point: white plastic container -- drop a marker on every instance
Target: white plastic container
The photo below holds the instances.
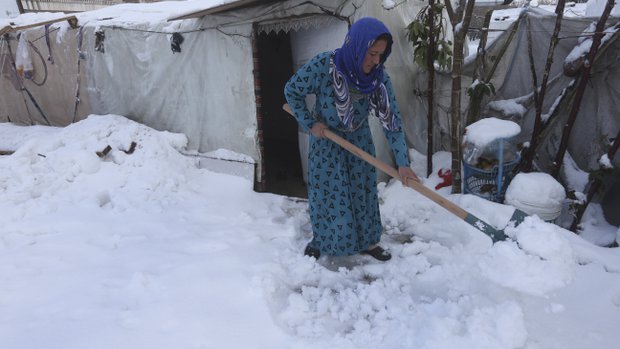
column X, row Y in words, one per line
column 536, row 194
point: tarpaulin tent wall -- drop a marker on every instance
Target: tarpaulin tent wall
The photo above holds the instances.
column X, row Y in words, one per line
column 207, row 91
column 599, row 114
column 508, row 66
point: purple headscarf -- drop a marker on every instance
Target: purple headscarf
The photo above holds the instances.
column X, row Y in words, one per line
column 349, row 58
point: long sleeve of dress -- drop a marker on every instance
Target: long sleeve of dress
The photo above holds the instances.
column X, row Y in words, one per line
column 302, row 83
column 396, row 139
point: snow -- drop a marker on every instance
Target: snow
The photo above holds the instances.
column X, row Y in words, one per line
column 536, row 194
column 225, row 154
column 502, row 19
column 576, row 178
column 596, row 229
column 145, row 250
column 508, row 107
column 545, row 116
column 536, row 188
column 123, row 14
column 388, row 4
column 487, row 130
column 29, row 18
column 605, row 162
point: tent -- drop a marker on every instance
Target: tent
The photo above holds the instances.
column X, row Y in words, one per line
column 506, row 63
column 213, row 70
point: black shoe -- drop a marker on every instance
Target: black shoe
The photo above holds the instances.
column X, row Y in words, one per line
column 312, row 252
column 378, row 253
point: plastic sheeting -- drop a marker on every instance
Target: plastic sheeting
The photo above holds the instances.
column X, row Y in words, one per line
column 56, row 98
column 598, row 117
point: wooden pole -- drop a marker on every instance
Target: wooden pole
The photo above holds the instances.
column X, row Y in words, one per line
column 539, row 94
column 430, row 88
column 456, row 129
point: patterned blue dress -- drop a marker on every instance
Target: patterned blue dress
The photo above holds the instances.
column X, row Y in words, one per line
column 342, row 188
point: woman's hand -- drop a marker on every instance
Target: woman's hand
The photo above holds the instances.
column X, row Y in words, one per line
column 317, row 129
column 407, row 175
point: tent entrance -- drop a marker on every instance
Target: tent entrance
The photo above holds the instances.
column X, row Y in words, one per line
column 281, row 170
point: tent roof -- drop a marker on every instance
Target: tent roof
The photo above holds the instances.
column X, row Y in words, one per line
column 234, row 5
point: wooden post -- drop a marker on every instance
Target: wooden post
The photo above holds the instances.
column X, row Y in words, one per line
column 539, row 94
column 430, row 66
column 20, row 7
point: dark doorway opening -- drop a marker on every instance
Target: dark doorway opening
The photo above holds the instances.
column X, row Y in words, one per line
column 278, row 131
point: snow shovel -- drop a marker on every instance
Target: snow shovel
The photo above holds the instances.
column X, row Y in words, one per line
column 494, row 234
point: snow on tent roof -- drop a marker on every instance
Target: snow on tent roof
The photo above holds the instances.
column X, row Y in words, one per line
column 224, row 6
column 28, row 19
column 135, row 13
column 485, row 131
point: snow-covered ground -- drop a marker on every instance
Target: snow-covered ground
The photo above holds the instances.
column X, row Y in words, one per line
column 145, row 250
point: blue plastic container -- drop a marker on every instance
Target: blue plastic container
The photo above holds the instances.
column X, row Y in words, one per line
column 491, row 180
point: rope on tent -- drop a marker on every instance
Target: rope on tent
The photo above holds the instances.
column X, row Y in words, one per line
column 44, row 35
column 320, row 11
column 36, row 50
column 34, row 101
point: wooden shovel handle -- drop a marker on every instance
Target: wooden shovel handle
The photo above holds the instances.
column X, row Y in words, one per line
column 392, row 172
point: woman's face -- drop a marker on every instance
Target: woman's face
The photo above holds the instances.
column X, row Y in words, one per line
column 373, row 55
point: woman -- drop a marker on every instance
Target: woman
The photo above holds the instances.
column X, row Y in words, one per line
column 349, row 84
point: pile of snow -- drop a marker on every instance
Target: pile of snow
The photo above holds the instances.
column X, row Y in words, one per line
column 536, row 188
column 509, row 107
column 145, row 250
column 536, row 193
column 225, row 154
column 487, row 130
